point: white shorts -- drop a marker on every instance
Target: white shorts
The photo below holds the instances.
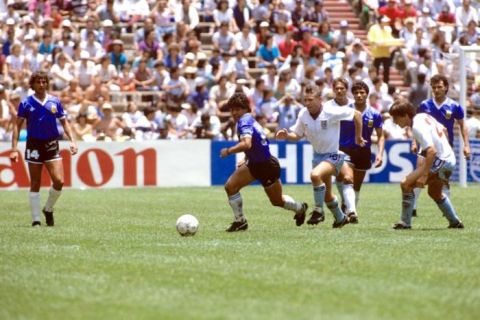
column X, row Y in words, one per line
column 335, row 158
column 444, row 168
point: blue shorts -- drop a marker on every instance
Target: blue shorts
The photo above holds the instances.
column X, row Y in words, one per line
column 444, row 168
column 335, row 158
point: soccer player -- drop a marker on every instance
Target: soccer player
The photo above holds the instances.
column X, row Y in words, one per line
column 359, row 158
column 447, row 112
column 259, row 164
column 436, row 168
column 344, row 179
column 320, row 125
column 41, row 111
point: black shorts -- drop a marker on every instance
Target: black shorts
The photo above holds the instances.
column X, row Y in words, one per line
column 40, row 151
column 266, row 172
column 361, row 158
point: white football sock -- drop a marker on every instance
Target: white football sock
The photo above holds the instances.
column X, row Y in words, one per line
column 349, row 196
column 236, row 203
column 416, row 192
column 52, row 198
column 340, row 190
column 34, row 198
column 357, row 198
column 290, row 204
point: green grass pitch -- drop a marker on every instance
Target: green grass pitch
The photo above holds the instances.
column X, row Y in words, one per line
column 115, row 254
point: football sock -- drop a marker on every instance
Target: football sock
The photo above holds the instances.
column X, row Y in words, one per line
column 53, row 196
column 236, row 203
column 335, row 209
column 290, row 204
column 446, row 190
column 349, row 197
column 416, row 191
column 341, row 191
column 447, row 209
column 357, row 198
column 407, row 207
column 319, row 196
column 35, row 205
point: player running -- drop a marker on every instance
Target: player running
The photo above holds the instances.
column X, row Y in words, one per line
column 259, row 164
column 320, row 125
column 359, row 157
column 41, row 111
column 436, row 169
column 446, row 111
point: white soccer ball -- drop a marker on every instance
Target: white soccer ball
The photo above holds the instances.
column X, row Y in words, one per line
column 187, row 225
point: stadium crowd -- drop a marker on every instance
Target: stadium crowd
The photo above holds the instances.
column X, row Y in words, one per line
column 145, row 69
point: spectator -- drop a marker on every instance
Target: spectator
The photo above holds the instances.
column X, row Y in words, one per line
column 131, row 116
column 207, row 126
column 325, row 32
column 287, row 110
column 143, row 77
column 126, row 78
column 176, row 86
column 270, row 78
column 164, row 18
column 107, row 73
column 223, row 14
column 419, row 91
column 186, row 16
column 173, row 58
column 242, row 15
column 82, row 130
column 85, row 70
column 287, row 45
column 146, row 128
column 109, row 128
column 464, row 14
column 343, row 37
column 62, row 72
column 106, row 11
column 223, row 39
column 177, row 123
column 92, row 47
column 318, row 15
column 246, row 41
column 268, row 53
column 380, row 37
column 473, row 123
column 117, row 56
column 299, row 14
column 308, row 41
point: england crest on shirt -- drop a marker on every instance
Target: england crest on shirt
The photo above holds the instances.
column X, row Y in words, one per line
column 323, row 124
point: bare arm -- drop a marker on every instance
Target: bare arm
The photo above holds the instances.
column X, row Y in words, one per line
column 68, row 133
column 381, row 147
column 244, row 145
column 464, row 133
column 357, row 120
column 284, row 134
column 15, row 133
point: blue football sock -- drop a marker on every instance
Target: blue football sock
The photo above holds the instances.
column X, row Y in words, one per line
column 407, row 207
column 319, row 196
column 447, row 209
column 335, row 209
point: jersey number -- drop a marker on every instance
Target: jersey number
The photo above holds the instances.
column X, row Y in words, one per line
column 32, row 154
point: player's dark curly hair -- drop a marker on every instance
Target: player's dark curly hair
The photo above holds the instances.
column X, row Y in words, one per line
column 400, row 109
column 238, row 100
column 39, row 75
column 359, row 85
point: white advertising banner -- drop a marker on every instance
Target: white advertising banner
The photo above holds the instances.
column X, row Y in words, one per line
column 128, row 164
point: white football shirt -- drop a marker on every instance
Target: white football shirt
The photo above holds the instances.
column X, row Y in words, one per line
column 429, row 132
column 324, row 131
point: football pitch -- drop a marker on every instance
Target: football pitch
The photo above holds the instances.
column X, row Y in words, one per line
column 115, row 254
